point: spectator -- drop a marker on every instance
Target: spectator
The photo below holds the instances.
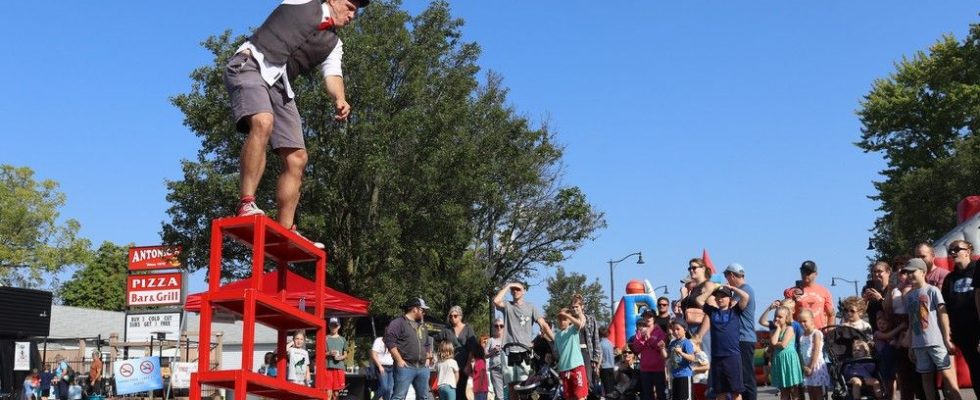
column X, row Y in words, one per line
column 650, row 344
column 298, row 370
column 935, row 275
column 46, row 377
column 809, row 295
column 735, row 275
column 336, row 354
column 861, row 374
column 885, row 351
column 700, row 366
column 571, row 365
column 908, row 382
column 959, row 294
column 607, row 368
column 876, row 289
column 95, row 373
column 406, row 339
column 382, row 360
column 463, row 339
column 681, row 354
column 722, row 323
column 481, row 383
column 854, row 308
column 627, row 378
column 495, row 358
column 663, row 317
column 268, row 366
column 697, row 297
column 447, row 371
column 589, row 339
column 929, row 332
column 519, row 317
column 29, row 387
column 785, row 371
column 815, row 372
column 770, row 324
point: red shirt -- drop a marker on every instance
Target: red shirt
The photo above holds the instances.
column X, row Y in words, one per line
column 480, row 382
column 815, row 298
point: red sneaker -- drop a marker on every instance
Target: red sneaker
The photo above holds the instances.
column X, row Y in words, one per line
column 247, row 208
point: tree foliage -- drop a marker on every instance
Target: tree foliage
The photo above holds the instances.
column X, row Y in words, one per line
column 435, row 187
column 561, row 288
column 34, row 243
column 924, row 118
column 101, row 283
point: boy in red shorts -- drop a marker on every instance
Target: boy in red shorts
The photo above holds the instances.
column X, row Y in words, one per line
column 571, row 366
column 336, row 354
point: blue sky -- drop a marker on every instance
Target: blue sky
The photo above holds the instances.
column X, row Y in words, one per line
column 696, row 124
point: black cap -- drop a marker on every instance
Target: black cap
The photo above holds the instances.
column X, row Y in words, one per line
column 361, row 3
column 723, row 292
column 808, row 267
column 415, row 302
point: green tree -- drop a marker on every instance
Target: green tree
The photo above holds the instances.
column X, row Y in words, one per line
column 101, row 283
column 561, row 288
column 33, row 241
column 924, row 119
column 402, row 194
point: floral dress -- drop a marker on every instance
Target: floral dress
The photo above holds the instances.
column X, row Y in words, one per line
column 818, row 377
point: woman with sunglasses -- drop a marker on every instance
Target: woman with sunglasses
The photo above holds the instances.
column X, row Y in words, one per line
column 697, row 297
column 961, row 306
column 465, row 344
column 495, row 358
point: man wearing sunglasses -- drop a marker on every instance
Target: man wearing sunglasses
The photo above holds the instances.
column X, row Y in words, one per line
column 959, row 293
column 298, row 37
column 519, row 318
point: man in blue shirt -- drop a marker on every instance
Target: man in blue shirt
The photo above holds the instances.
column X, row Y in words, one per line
column 735, row 274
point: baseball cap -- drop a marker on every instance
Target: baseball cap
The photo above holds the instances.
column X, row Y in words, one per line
column 723, row 291
column 415, row 302
column 736, row 269
column 808, row 266
column 647, row 311
column 914, row 264
column 334, row 321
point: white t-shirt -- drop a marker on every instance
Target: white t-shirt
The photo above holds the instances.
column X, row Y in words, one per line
column 898, row 304
column 447, row 372
column 299, row 364
column 381, row 350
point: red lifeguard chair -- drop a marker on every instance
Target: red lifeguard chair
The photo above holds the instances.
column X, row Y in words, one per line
column 269, row 241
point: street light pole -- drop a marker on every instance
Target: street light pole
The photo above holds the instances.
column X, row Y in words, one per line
column 612, row 283
column 833, row 282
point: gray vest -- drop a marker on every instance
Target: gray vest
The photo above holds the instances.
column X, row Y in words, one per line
column 291, row 36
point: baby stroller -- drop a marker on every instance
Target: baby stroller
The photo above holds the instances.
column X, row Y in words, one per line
column 541, row 382
column 838, row 344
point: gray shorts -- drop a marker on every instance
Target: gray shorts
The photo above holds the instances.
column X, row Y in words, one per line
column 931, row 359
column 250, row 95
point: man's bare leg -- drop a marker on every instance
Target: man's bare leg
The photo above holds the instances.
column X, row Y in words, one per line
column 290, row 180
column 252, row 162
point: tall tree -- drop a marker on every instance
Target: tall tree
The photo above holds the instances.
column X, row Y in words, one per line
column 101, row 283
column 924, row 119
column 400, row 194
column 33, row 241
column 561, row 288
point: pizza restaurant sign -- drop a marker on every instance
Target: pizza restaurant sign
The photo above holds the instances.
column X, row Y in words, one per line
column 154, row 257
column 153, row 289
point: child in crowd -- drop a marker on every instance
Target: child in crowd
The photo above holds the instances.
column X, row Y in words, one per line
column 29, row 387
column 768, row 323
column 681, row 353
column 700, row 367
column 298, row 367
column 447, row 371
column 723, row 322
column 816, row 377
column 854, row 308
column 861, row 374
column 336, row 354
column 885, row 350
column 929, row 332
column 650, row 344
column 481, row 379
column 268, row 367
column 626, row 376
column 786, row 373
column 571, row 365
column 74, row 390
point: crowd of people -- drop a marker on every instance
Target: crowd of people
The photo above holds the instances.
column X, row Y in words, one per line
column 894, row 341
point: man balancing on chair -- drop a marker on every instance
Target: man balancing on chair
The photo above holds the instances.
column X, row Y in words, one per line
column 296, row 38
